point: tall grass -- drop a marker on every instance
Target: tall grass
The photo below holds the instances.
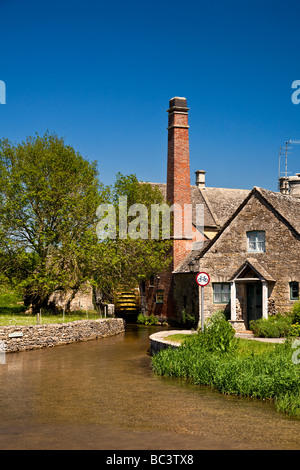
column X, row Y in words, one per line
column 265, row 373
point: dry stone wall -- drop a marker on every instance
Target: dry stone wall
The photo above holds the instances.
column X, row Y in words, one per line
column 21, row 338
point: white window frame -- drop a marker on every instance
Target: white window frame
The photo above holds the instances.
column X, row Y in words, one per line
column 256, row 241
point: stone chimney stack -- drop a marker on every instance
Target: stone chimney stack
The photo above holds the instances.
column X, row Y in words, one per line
column 294, row 182
column 178, row 171
column 284, row 185
column 200, row 178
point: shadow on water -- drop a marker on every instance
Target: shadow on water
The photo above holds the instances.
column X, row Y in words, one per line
column 102, row 394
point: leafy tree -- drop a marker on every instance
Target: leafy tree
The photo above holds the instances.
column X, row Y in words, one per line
column 49, row 195
column 132, row 261
column 48, row 199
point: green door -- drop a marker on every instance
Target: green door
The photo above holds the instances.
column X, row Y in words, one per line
column 254, row 301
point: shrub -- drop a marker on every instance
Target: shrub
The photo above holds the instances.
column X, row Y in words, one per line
column 189, row 321
column 141, row 318
column 295, row 329
column 218, row 334
column 296, row 312
column 276, row 326
column 147, row 320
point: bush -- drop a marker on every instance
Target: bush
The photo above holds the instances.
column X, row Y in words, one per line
column 189, row 321
column 276, row 326
column 147, row 320
column 218, row 334
column 296, row 312
column 295, row 329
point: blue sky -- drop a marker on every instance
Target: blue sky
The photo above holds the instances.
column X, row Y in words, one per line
column 100, row 74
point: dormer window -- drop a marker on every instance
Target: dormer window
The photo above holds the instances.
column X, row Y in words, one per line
column 256, row 241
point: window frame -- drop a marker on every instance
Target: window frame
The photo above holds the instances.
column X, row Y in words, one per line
column 291, row 284
column 159, row 292
column 256, row 240
column 222, row 284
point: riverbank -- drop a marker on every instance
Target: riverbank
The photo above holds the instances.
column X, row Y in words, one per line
column 232, row 365
column 99, row 395
column 163, row 340
column 26, row 337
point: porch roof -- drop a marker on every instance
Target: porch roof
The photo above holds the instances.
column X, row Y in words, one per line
column 256, row 267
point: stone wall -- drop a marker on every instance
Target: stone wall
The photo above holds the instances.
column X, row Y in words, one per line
column 280, row 260
column 21, row 338
column 158, row 340
column 229, row 252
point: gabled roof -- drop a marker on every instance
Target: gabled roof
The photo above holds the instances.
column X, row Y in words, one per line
column 219, row 203
column 256, row 267
column 287, row 208
column 223, row 202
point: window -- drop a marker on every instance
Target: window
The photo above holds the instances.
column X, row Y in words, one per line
column 160, row 297
column 294, row 290
column 256, row 242
column 221, row 293
column 151, row 281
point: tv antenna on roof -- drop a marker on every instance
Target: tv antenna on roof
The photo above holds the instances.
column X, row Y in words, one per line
column 287, row 143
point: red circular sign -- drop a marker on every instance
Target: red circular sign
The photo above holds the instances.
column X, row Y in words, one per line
column 202, row 279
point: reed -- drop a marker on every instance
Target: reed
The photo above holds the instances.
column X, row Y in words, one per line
column 267, row 373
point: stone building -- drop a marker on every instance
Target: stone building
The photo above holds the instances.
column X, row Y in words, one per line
column 250, row 242
column 253, row 261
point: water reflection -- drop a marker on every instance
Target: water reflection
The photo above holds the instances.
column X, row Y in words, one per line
column 102, row 394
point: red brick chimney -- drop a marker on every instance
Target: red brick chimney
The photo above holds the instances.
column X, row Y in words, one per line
column 178, row 172
column 178, row 192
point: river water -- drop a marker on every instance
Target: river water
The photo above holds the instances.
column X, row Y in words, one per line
column 102, row 394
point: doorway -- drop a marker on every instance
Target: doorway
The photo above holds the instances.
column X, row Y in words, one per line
column 254, row 302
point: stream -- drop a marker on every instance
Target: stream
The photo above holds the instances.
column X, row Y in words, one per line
column 102, row 394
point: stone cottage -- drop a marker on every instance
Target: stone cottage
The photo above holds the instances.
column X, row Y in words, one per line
column 253, row 261
column 250, row 242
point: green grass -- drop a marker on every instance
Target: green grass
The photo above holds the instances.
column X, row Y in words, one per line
column 248, row 347
column 12, row 312
column 246, row 368
column 178, row 337
column 46, row 318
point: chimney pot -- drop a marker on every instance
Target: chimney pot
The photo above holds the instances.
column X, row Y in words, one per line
column 200, row 178
column 294, row 182
column 284, row 185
